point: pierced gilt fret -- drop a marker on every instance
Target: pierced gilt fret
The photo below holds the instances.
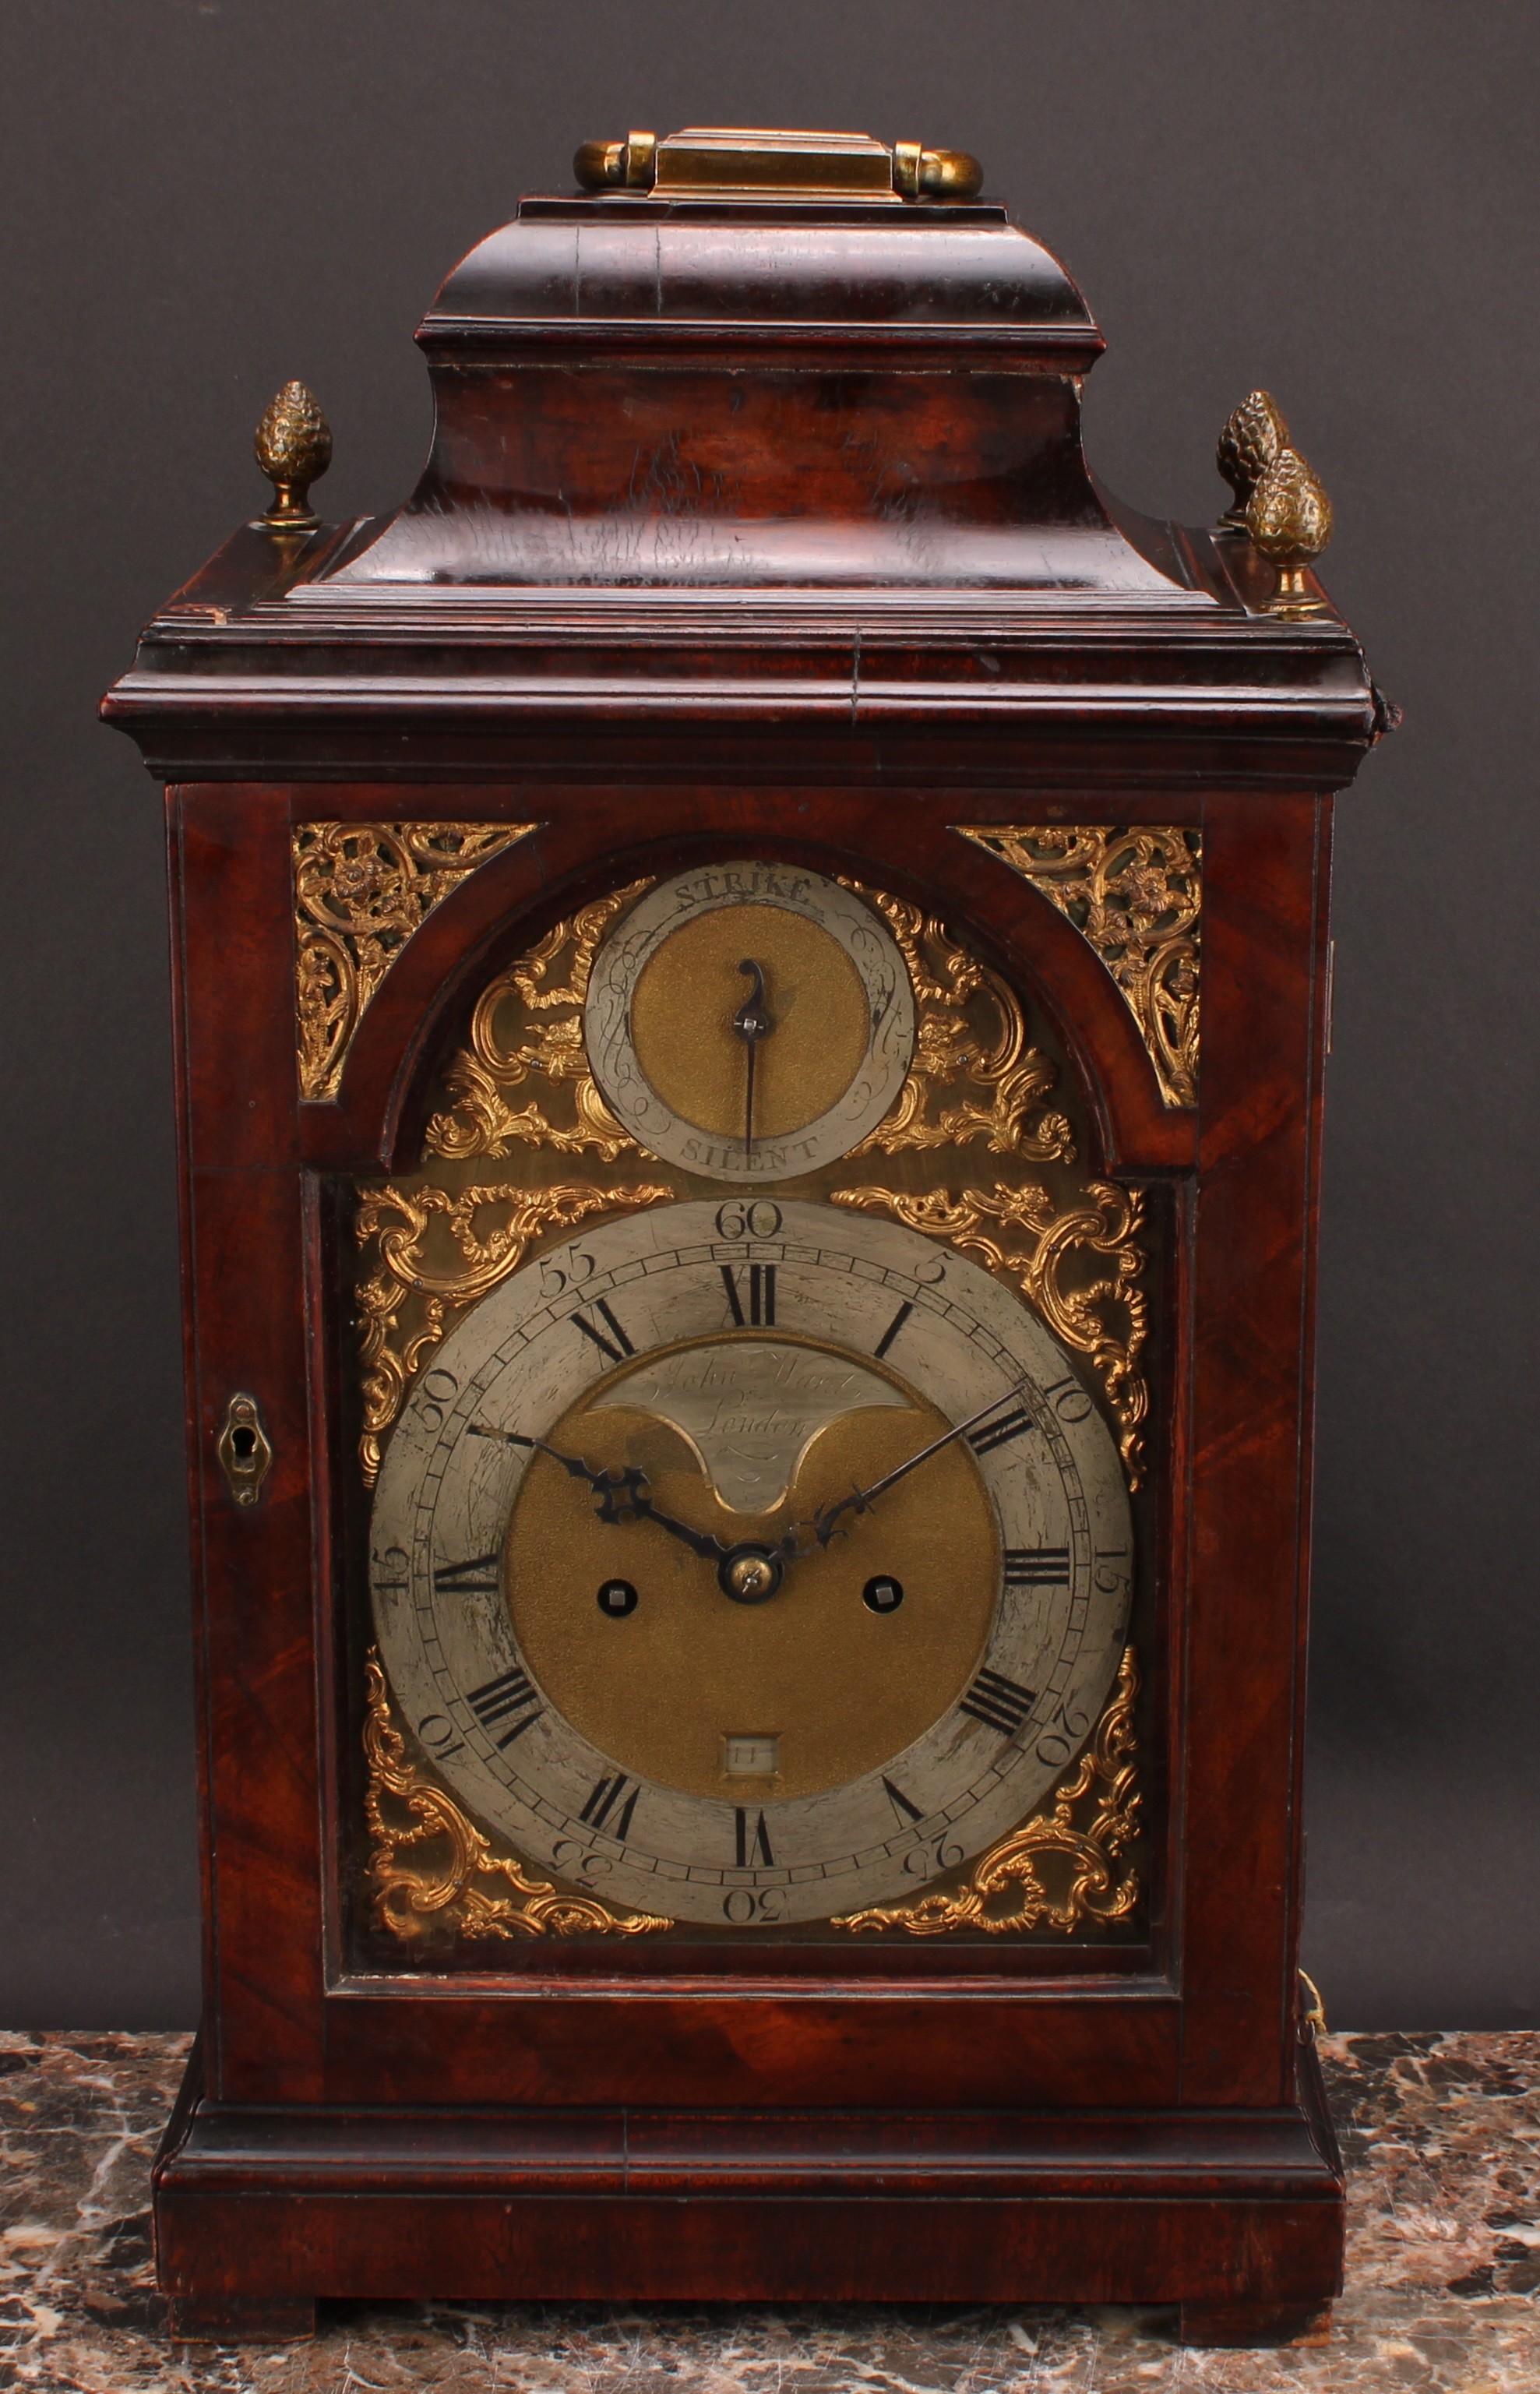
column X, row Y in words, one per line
column 360, row 890
column 1134, row 893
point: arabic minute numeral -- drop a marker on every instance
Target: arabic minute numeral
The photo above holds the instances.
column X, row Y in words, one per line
column 436, row 1393
column 556, row 1278
column 511, row 1693
column 752, row 1844
column 1069, row 1400
column 941, row 1853
column 1000, row 1431
column 754, row 1906
column 754, row 1218
column 753, row 1307
column 999, row 1703
column 476, row 1576
column 578, row 1861
column 437, row 1732
column 1066, row 1734
column 1037, row 1566
column 616, row 1347
column 615, row 1797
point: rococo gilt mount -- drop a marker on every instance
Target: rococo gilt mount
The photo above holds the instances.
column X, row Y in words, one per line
column 751, row 997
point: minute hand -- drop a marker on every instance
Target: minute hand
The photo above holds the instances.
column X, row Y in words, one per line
column 824, row 1522
column 619, row 1492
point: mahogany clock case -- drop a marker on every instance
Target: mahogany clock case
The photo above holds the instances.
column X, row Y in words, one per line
column 1128, row 2113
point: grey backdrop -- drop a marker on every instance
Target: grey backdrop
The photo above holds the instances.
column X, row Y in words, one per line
column 1333, row 198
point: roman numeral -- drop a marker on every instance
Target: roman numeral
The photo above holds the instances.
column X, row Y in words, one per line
column 999, row 1433
column 998, row 1702
column 610, row 1795
column 1037, row 1566
column 762, row 1296
column 510, row 1692
column 476, row 1576
column 892, row 1330
column 619, row 1347
column 902, row 1808
column 754, row 1845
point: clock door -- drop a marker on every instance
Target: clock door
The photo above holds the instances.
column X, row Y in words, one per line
column 753, row 1558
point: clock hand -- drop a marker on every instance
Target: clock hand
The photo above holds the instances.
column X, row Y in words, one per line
column 822, row 1524
column 752, row 1022
column 625, row 1494
column 621, row 1493
column 700, row 1542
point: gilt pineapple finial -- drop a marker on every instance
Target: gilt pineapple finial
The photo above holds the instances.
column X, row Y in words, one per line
column 1289, row 520
column 1248, row 444
column 294, row 448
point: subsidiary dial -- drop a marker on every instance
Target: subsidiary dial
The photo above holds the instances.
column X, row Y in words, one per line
column 750, row 1022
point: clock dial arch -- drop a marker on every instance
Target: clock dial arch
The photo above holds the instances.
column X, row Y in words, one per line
column 469, row 1659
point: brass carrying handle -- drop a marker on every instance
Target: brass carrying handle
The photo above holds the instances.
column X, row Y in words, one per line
column 918, row 173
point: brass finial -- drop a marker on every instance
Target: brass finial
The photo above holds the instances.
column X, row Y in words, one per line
column 1248, row 444
column 294, row 448
column 1290, row 520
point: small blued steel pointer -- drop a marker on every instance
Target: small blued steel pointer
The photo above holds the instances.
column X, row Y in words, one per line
column 752, row 1022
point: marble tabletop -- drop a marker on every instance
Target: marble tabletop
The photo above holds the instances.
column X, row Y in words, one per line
column 1442, row 2135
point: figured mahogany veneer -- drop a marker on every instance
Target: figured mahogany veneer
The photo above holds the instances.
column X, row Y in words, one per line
column 782, row 545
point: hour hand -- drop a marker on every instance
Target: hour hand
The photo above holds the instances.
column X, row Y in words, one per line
column 623, row 1495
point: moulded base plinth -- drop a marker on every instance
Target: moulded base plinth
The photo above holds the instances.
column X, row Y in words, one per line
column 240, row 2319
column 1235, row 2215
column 1233, row 2325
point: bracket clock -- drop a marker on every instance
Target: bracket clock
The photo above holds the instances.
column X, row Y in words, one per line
column 750, row 995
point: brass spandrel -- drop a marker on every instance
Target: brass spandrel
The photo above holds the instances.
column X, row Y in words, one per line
column 526, row 1033
column 975, row 1075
